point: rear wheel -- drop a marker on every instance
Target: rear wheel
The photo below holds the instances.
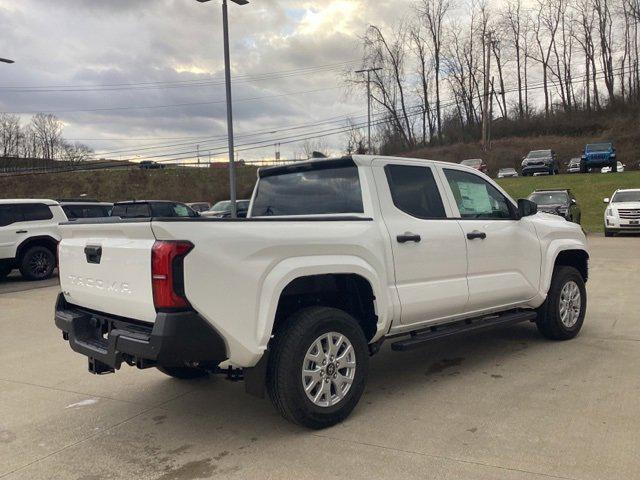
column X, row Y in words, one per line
column 318, row 367
column 183, row 373
column 38, row 263
column 562, row 315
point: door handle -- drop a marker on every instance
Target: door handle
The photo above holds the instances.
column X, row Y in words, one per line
column 22, row 231
column 475, row 235
column 409, row 237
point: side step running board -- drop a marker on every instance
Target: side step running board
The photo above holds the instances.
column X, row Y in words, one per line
column 467, row 326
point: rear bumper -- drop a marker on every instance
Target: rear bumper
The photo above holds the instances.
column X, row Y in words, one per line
column 174, row 340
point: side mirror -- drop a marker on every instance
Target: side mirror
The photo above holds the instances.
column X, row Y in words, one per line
column 573, row 201
column 526, row 208
column 606, row 200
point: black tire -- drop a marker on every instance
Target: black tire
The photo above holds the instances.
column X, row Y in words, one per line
column 549, row 320
column 608, row 233
column 614, row 167
column 583, row 167
column 288, row 351
column 5, row 270
column 183, row 373
column 38, row 263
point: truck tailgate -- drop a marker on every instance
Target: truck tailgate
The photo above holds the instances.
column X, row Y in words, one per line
column 107, row 267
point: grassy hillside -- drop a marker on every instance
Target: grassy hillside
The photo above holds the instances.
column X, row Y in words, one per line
column 590, row 190
column 179, row 184
column 623, row 130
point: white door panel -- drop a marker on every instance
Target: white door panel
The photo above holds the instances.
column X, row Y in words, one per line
column 431, row 272
column 504, row 268
column 503, row 253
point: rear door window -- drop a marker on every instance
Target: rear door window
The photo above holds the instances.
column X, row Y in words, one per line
column 35, row 212
column 327, row 189
column 415, row 192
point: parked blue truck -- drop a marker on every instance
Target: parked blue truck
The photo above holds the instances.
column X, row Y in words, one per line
column 599, row 155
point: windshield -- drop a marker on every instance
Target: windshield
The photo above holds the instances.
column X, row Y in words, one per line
column 507, row 170
column 632, row 196
column 549, row 198
column 539, row 154
column 474, row 162
column 221, row 206
column 599, row 147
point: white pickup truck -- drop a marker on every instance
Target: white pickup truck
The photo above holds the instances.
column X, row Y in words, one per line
column 336, row 256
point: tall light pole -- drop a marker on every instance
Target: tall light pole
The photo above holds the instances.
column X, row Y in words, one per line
column 368, row 72
column 227, row 76
column 6, row 60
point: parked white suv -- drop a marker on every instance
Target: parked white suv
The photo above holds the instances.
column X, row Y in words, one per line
column 29, row 237
column 622, row 213
column 336, row 257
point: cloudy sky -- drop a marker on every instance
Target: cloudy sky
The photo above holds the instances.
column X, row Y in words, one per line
column 92, row 61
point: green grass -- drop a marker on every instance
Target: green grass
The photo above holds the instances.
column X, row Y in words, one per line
column 590, row 190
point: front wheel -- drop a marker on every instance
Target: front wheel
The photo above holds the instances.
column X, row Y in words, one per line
column 614, row 167
column 562, row 315
column 38, row 263
column 608, row 233
column 318, row 367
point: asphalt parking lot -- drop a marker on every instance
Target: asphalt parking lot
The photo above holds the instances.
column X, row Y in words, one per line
column 501, row 405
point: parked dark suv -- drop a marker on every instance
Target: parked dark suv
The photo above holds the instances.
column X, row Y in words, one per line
column 540, row 162
column 558, row 202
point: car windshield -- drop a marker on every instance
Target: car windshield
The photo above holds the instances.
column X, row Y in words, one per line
column 631, row 196
column 243, row 205
column 221, row 206
column 539, row 154
column 507, row 170
column 549, row 198
column 473, row 162
column 574, row 161
column 599, row 147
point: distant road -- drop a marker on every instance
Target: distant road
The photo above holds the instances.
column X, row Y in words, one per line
column 15, row 283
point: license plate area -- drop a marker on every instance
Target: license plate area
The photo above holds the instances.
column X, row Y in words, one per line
column 634, row 222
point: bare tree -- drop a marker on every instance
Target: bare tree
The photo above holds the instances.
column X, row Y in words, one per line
column 545, row 28
column 388, row 85
column 48, row 131
column 434, row 12
column 425, row 73
column 356, row 140
column 75, row 152
column 605, row 32
column 515, row 21
column 9, row 135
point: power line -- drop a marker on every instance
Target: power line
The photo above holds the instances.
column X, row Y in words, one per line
column 241, row 78
column 151, row 107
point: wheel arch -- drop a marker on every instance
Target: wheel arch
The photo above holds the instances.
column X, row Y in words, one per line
column 334, row 281
column 568, row 255
column 41, row 240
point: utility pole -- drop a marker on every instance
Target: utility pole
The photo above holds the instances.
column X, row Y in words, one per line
column 485, row 107
column 198, row 148
column 490, row 120
column 227, row 79
column 368, row 72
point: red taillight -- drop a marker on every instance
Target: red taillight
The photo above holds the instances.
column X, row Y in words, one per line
column 167, row 275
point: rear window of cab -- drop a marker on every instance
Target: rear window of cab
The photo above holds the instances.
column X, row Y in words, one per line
column 325, row 188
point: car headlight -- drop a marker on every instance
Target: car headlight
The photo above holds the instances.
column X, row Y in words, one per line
column 610, row 212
